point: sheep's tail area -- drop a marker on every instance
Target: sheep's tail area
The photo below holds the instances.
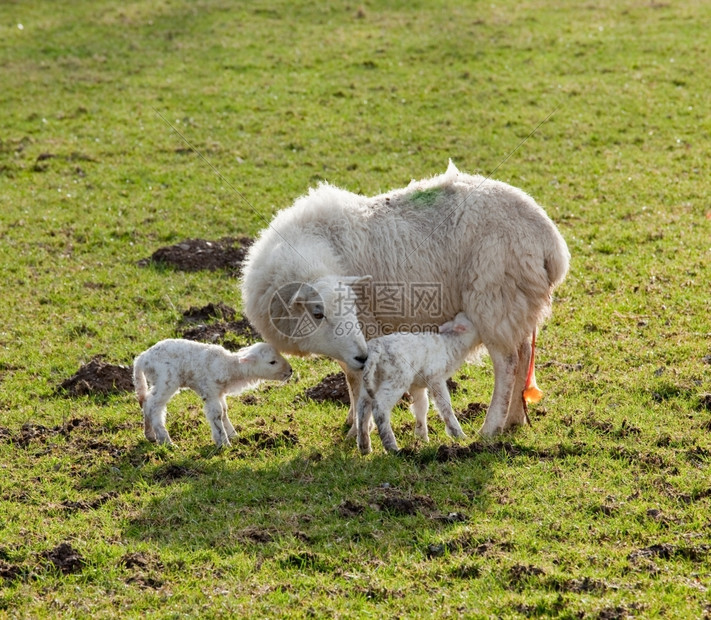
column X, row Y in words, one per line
column 139, row 381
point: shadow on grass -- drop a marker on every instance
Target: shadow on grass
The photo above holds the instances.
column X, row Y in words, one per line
column 304, row 498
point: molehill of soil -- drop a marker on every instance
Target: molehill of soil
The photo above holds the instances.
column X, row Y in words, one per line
column 199, row 254
column 98, row 377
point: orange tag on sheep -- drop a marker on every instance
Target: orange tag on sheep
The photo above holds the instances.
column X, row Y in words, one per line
column 531, row 393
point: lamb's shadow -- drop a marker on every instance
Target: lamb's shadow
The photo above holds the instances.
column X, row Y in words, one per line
column 215, row 500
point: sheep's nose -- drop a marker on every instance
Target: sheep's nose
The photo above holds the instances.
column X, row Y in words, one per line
column 361, row 358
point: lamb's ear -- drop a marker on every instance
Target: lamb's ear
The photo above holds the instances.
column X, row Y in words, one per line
column 446, row 328
column 247, row 358
column 460, row 329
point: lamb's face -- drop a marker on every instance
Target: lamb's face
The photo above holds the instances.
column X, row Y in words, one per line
column 321, row 317
column 266, row 362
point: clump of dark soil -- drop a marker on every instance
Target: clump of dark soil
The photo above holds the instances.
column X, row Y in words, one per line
column 9, row 572
column 667, row 551
column 98, row 377
column 221, row 332
column 72, row 506
column 256, row 535
column 65, row 558
column 171, row 472
column 393, row 501
column 457, row 452
column 332, row 388
column 268, row 440
column 472, row 412
column 37, row 432
column 199, row 254
column 705, row 402
column 209, row 312
column 140, row 560
column 348, row 509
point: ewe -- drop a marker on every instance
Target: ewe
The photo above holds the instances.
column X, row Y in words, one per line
column 416, row 363
column 208, row 369
column 472, row 244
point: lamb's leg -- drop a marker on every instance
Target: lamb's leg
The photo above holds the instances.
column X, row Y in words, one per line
column 229, row 429
column 505, row 364
column 441, row 398
column 155, row 413
column 213, row 413
column 148, row 430
column 419, row 407
column 353, row 382
column 363, row 422
column 517, row 414
column 383, row 403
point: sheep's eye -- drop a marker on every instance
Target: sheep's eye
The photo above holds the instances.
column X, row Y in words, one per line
column 318, row 315
column 272, row 362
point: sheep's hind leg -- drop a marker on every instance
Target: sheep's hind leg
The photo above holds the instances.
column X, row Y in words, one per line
column 213, row 413
column 505, row 365
column 440, row 395
column 155, row 413
column 419, row 407
column 226, row 422
column 148, row 429
column 353, row 381
column 517, row 413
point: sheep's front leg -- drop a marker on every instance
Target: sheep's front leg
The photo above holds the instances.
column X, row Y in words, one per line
column 419, row 407
column 517, row 413
column 229, row 429
column 443, row 402
column 213, row 413
column 505, row 364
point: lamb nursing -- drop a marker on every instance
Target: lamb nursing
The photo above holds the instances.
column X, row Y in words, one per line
column 208, row 369
column 417, row 363
column 472, row 244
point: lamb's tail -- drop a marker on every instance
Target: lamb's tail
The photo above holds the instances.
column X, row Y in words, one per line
column 139, row 380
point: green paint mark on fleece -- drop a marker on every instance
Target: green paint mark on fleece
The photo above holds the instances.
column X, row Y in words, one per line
column 425, row 197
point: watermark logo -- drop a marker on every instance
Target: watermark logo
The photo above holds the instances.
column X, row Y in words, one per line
column 296, row 310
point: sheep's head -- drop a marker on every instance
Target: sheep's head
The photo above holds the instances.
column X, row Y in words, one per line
column 321, row 317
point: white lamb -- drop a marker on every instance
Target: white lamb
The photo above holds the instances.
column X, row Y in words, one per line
column 208, row 369
column 411, row 362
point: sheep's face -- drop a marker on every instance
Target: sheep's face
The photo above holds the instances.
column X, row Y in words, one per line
column 321, row 317
column 265, row 362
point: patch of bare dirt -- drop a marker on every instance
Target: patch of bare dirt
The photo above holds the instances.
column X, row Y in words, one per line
column 199, row 254
column 171, row 472
column 332, row 388
column 667, row 551
column 472, row 412
column 72, row 506
column 9, row 572
column 348, row 509
column 65, row 558
column 256, row 535
column 458, row 452
column 209, row 312
column 393, row 501
column 221, row 332
column 140, row 560
column 268, row 440
column 98, row 377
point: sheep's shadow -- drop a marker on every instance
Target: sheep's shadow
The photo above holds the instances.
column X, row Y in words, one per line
column 215, row 500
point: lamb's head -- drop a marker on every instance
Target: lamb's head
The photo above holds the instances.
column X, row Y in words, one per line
column 320, row 317
column 263, row 361
column 460, row 324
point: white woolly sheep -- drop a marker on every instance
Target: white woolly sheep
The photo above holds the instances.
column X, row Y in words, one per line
column 210, row 370
column 416, row 363
column 474, row 245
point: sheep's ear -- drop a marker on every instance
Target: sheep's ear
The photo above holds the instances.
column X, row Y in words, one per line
column 355, row 280
column 460, row 329
column 446, row 328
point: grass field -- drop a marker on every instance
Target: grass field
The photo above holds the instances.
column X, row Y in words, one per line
column 130, row 127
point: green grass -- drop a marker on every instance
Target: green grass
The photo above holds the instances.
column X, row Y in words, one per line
column 599, row 110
